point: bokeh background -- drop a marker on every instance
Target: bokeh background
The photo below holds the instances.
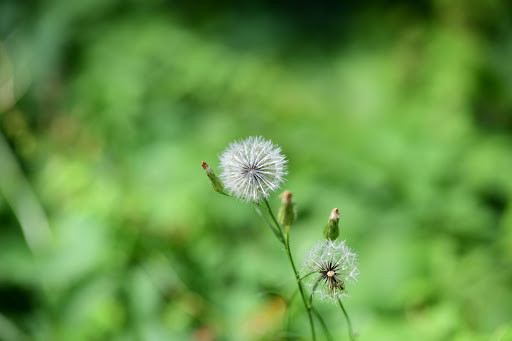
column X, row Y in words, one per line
column 397, row 113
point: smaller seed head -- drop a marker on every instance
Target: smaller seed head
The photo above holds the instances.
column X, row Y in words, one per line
column 335, row 265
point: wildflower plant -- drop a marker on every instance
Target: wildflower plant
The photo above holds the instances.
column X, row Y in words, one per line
column 251, row 170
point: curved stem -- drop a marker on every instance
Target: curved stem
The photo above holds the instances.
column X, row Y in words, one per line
column 287, row 245
column 308, row 307
column 322, row 323
column 313, row 290
column 350, row 332
column 318, row 316
column 288, row 308
column 277, row 232
column 308, row 274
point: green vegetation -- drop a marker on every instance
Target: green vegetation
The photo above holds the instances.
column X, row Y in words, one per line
column 398, row 115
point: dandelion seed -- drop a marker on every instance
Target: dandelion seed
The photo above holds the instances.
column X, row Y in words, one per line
column 336, row 266
column 252, row 168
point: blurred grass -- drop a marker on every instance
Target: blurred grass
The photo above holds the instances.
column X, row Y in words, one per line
column 397, row 115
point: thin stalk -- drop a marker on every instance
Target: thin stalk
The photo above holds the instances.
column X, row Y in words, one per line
column 308, row 274
column 277, row 232
column 292, row 296
column 287, row 245
column 322, row 323
column 274, row 219
column 350, row 332
column 288, row 308
column 319, row 317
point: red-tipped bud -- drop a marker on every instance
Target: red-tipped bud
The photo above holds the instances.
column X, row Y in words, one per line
column 331, row 230
column 216, row 183
column 286, row 215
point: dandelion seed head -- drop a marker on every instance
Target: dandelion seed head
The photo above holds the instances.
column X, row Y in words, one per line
column 335, row 266
column 252, row 168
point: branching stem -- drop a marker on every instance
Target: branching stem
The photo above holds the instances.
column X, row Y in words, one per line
column 287, row 245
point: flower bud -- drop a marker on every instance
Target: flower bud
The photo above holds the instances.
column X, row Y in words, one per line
column 286, row 215
column 331, row 230
column 216, row 183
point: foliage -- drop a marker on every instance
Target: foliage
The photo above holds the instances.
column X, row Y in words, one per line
column 397, row 115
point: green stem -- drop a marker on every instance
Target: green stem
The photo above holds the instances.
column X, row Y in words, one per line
column 322, row 323
column 288, row 308
column 319, row 317
column 350, row 332
column 292, row 296
column 273, row 217
column 277, row 232
column 287, row 245
column 308, row 274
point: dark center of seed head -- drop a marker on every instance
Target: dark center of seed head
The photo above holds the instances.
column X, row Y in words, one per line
column 251, row 170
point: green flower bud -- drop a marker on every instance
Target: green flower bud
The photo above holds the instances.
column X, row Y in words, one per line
column 216, row 183
column 286, row 215
column 331, row 230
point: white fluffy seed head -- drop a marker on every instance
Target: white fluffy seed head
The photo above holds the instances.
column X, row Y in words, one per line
column 335, row 266
column 252, row 168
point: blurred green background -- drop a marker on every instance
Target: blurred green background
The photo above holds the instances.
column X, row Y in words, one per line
column 399, row 114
